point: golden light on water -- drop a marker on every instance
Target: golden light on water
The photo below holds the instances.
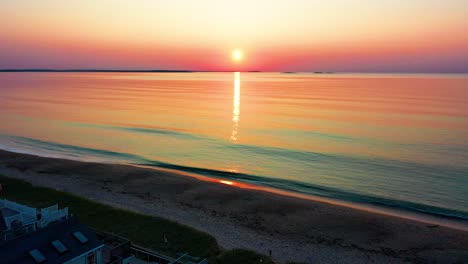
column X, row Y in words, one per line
column 236, row 107
column 226, row 182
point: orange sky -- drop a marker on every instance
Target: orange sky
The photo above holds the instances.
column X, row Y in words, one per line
column 366, row 35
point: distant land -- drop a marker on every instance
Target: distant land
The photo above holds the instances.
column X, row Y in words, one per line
column 189, row 71
column 103, row 70
column 114, row 70
column 87, row 70
column 253, row 71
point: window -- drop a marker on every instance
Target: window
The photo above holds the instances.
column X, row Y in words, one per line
column 37, row 256
column 91, row 258
column 80, row 237
column 59, row 246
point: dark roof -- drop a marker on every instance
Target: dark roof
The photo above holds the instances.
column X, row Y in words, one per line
column 17, row 250
column 8, row 212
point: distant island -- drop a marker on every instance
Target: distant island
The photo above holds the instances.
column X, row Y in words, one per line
column 316, row 72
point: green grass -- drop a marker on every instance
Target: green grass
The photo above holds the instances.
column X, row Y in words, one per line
column 143, row 230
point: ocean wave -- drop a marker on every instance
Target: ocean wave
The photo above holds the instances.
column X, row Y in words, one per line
column 84, row 153
column 359, row 163
column 160, row 131
column 32, row 144
column 311, row 189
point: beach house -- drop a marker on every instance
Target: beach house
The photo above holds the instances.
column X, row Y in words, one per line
column 66, row 241
column 50, row 235
column 47, row 235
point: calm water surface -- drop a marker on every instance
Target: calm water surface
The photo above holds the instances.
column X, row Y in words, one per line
column 390, row 140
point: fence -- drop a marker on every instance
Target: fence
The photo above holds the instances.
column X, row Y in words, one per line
column 24, row 214
column 51, row 214
column 122, row 248
column 26, row 218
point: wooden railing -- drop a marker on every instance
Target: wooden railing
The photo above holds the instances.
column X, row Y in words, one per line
column 123, row 248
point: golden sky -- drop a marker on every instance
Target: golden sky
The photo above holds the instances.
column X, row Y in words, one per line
column 335, row 35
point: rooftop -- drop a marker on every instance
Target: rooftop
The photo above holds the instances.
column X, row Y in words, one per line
column 54, row 244
column 7, row 212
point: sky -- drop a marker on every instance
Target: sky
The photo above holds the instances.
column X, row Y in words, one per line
column 292, row 35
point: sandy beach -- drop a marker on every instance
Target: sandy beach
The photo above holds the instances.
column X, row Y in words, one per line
column 293, row 229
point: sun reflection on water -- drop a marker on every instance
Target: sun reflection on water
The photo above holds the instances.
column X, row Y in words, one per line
column 236, row 107
column 226, row 182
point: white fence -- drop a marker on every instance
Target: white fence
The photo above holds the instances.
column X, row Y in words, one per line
column 49, row 209
column 51, row 214
column 26, row 215
column 4, row 203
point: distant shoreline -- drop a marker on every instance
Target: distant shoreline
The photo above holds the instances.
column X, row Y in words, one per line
column 88, row 70
column 111, row 70
column 246, row 71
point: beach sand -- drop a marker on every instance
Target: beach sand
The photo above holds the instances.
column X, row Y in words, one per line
column 293, row 229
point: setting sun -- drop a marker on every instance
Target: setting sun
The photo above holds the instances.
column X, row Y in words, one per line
column 237, row 55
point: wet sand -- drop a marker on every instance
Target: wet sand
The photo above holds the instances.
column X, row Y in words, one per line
column 293, row 229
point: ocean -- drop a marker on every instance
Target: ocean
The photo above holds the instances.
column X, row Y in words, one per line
column 391, row 140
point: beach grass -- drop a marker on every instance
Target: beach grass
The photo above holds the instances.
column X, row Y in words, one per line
column 237, row 256
column 144, row 230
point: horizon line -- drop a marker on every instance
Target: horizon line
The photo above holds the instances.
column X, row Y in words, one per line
column 194, row 71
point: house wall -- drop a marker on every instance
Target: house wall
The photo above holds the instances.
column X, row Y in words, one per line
column 99, row 256
column 80, row 260
column 83, row 259
column 127, row 260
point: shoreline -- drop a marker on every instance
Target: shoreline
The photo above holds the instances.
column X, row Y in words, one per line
column 453, row 222
column 428, row 217
column 294, row 229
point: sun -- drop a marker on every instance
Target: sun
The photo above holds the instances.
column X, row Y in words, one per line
column 237, row 55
